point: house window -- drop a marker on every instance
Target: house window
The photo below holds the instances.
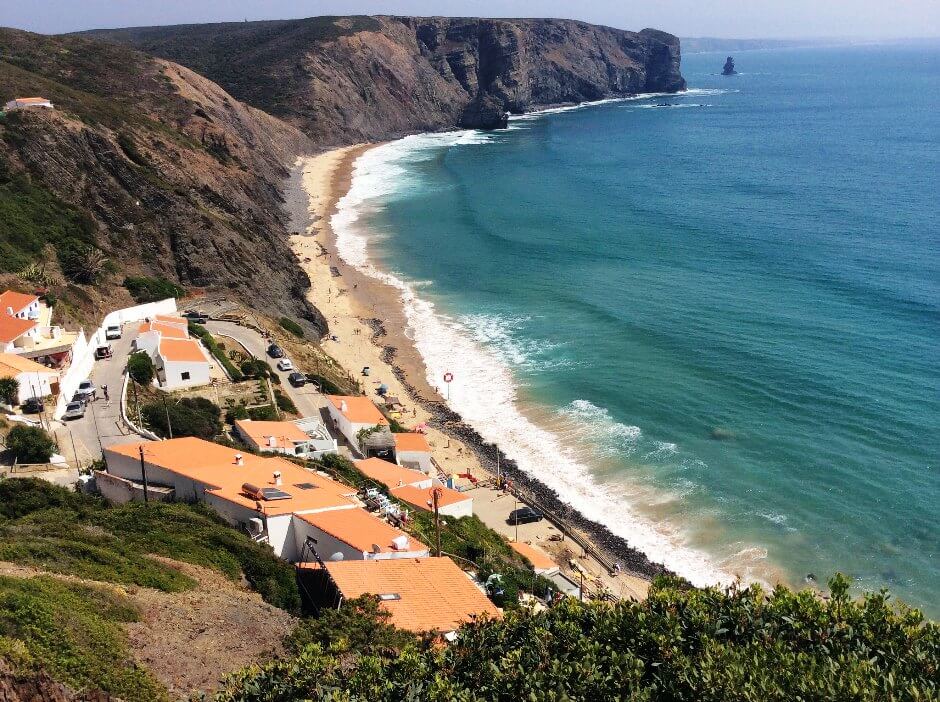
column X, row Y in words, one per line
column 185, row 376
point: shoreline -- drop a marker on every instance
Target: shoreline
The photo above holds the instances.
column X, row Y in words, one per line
column 353, row 298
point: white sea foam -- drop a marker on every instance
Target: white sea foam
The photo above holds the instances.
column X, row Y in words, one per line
column 484, row 391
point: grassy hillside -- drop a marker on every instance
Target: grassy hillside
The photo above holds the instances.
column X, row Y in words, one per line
column 73, row 630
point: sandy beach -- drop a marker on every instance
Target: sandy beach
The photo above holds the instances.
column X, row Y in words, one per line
column 367, row 318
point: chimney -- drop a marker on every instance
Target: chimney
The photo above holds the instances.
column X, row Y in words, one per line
column 277, row 477
column 342, row 405
column 400, row 543
column 272, row 442
column 239, row 461
column 10, row 312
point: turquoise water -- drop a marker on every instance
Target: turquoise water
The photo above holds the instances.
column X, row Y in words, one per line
column 715, row 325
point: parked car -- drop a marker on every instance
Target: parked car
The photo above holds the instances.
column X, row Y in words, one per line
column 298, row 380
column 86, row 389
column 74, row 410
column 112, row 332
column 285, row 364
column 103, row 352
column 196, row 317
column 524, row 515
column 275, row 351
column 32, row 406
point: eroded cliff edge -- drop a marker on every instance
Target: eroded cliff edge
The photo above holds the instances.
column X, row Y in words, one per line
column 352, row 79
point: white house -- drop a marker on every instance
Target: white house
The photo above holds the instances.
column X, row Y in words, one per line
column 149, row 334
column 353, row 535
column 263, row 496
column 181, row 363
column 351, row 414
column 413, row 451
column 287, row 438
column 34, row 379
column 391, row 475
column 23, row 103
column 449, row 502
column 26, row 329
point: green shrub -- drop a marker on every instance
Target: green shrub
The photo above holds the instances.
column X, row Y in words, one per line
column 284, row 403
column 140, row 368
column 9, row 391
column 30, row 444
column 189, row 416
column 255, row 368
column 217, row 349
column 264, row 413
column 679, row 644
column 292, row 326
column 327, row 386
column 359, row 626
column 144, row 289
column 236, row 412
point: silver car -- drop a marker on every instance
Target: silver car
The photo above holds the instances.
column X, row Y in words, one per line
column 74, row 410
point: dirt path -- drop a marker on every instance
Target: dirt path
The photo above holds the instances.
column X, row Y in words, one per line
column 190, row 640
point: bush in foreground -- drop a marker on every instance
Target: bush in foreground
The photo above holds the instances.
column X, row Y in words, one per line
column 681, row 644
column 144, row 289
column 30, row 444
column 292, row 326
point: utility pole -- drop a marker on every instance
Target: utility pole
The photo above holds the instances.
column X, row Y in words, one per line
column 74, row 451
column 143, row 472
column 435, row 495
column 499, row 477
column 169, row 425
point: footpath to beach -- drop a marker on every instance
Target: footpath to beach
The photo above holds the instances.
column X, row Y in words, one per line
column 367, row 318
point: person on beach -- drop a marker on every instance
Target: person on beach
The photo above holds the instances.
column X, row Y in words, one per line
column 104, row 389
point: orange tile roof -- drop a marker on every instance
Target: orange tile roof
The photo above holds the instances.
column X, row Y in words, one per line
column 389, row 474
column 172, row 319
column 537, row 557
column 258, row 431
column 412, row 442
column 12, row 328
column 11, row 365
column 435, row 595
column 31, row 99
column 360, row 530
column 182, row 350
column 214, row 465
column 168, row 331
column 359, row 410
column 421, row 497
column 18, row 301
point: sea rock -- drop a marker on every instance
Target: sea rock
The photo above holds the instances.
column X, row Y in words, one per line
column 485, row 112
column 728, row 69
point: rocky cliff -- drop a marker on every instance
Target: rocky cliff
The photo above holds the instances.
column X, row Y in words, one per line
column 343, row 80
column 149, row 165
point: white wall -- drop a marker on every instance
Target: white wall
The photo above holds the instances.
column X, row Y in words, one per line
column 83, row 352
column 458, row 509
column 327, row 545
column 35, row 384
column 170, row 373
column 419, row 460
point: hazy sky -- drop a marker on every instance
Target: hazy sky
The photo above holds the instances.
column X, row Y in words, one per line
column 719, row 18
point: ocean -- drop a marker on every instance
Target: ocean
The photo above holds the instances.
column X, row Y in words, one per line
column 710, row 321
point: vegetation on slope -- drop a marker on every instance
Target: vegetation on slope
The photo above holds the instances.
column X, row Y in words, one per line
column 74, row 633
column 51, row 528
column 681, row 644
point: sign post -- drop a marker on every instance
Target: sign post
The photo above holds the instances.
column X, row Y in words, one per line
column 448, row 378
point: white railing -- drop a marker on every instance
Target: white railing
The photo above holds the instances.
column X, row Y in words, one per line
column 83, row 352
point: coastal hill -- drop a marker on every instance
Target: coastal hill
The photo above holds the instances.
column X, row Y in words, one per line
column 143, row 168
column 353, row 79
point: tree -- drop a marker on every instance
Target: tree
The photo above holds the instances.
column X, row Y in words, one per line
column 190, row 416
column 9, row 391
column 140, row 368
column 81, row 262
column 30, row 444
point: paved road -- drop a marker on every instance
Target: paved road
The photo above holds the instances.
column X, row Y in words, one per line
column 309, row 402
column 102, row 419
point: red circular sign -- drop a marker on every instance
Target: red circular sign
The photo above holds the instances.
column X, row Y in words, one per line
column 448, row 377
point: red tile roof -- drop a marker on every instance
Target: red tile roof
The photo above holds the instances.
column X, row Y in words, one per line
column 433, row 594
column 17, row 300
column 538, row 558
column 360, row 530
column 12, row 328
column 421, row 497
column 412, row 442
column 389, row 474
column 182, row 350
column 359, row 410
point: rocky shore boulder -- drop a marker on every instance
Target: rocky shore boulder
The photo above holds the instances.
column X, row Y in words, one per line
column 484, row 112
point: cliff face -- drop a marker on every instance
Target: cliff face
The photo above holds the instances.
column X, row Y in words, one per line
column 343, row 80
column 170, row 174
